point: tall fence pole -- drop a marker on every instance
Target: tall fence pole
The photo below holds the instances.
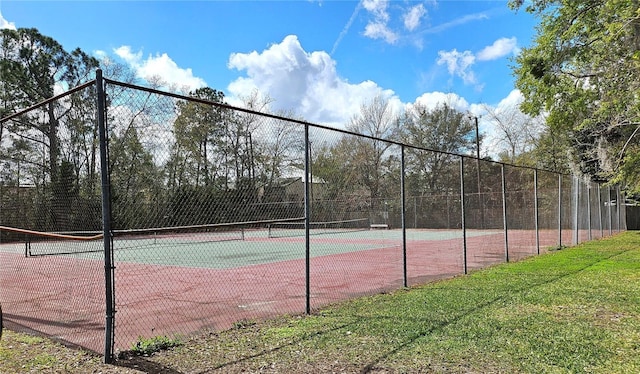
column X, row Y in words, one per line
column 504, row 214
column 106, row 222
column 575, row 198
column 600, row 210
column 589, row 209
column 403, row 218
column 463, row 218
column 559, row 210
column 609, row 210
column 535, row 209
column 620, row 205
column 307, row 221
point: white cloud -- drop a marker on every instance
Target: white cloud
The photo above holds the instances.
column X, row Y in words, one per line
column 126, row 54
column 431, row 100
column 458, row 64
column 378, row 8
column 378, row 28
column 513, row 100
column 402, row 23
column 4, row 24
column 304, row 81
column 100, row 54
column 308, row 83
column 498, row 49
column 413, row 17
column 160, row 66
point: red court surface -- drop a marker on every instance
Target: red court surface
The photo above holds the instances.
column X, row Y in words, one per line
column 64, row 297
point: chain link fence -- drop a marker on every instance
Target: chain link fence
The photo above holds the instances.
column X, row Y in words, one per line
column 174, row 214
column 50, row 183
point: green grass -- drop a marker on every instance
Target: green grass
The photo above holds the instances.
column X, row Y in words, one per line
column 22, row 353
column 572, row 310
column 575, row 310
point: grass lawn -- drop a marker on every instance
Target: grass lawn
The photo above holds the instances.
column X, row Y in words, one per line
column 576, row 310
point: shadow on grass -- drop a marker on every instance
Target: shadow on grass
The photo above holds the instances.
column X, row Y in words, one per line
column 146, row 366
column 372, row 365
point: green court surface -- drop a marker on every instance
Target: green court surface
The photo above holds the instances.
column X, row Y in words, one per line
column 253, row 247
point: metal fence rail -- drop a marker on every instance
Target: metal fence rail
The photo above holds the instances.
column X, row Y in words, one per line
column 215, row 216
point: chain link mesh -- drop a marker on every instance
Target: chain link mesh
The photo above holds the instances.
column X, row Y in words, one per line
column 520, row 193
column 221, row 216
column 50, row 182
column 548, row 209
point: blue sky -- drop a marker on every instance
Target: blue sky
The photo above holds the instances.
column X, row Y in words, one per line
column 321, row 59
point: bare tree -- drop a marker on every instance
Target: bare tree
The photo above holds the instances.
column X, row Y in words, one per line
column 378, row 119
column 515, row 133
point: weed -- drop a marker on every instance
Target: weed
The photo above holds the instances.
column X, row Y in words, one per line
column 243, row 324
column 147, row 347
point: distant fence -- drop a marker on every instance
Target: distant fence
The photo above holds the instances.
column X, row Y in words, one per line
column 159, row 213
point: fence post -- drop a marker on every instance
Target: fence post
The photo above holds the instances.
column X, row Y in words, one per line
column 600, row 210
column 415, row 212
column 575, row 182
column 463, row 218
column 559, row 210
column 535, row 209
column 403, row 218
column 589, row 209
column 504, row 213
column 620, row 205
column 609, row 210
column 307, row 221
column 106, row 221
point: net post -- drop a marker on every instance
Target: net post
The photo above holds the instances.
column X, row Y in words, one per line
column 106, row 221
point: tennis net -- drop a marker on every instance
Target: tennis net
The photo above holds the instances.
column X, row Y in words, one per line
column 293, row 229
column 37, row 243
column 179, row 235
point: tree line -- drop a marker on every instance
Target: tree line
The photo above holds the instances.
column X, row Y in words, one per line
column 581, row 72
column 180, row 161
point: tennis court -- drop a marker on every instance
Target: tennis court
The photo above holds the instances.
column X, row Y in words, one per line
column 159, row 195
column 213, row 280
column 234, row 248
